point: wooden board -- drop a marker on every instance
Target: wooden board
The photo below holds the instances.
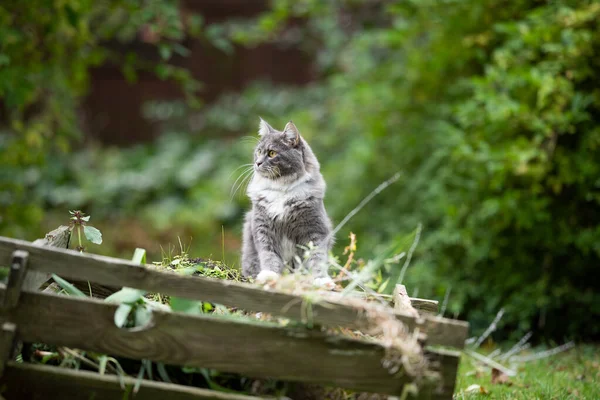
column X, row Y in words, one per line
column 40, row 382
column 225, row 344
column 421, row 305
column 57, row 238
column 425, row 305
column 115, row 272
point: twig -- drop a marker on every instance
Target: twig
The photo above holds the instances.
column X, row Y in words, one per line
column 493, row 326
column 495, row 353
column 545, row 354
column 410, row 253
column 517, row 347
column 81, row 358
column 374, row 193
column 489, row 362
column 471, row 340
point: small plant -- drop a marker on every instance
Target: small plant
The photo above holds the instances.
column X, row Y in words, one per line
column 79, row 222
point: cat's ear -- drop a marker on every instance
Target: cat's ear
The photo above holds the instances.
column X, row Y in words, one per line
column 264, row 128
column 291, row 133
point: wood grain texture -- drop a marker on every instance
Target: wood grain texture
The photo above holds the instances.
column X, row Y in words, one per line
column 425, row 306
column 447, row 363
column 225, row 344
column 8, row 332
column 40, row 382
column 115, row 272
column 58, row 238
column 421, row 305
column 18, row 269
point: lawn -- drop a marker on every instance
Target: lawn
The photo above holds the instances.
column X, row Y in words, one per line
column 573, row 374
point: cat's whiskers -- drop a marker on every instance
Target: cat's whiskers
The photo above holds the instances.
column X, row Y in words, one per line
column 247, row 180
column 241, row 166
column 247, row 173
column 252, row 139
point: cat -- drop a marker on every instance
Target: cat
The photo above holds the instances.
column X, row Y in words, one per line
column 287, row 191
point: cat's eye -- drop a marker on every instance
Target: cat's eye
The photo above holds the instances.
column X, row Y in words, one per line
column 272, row 153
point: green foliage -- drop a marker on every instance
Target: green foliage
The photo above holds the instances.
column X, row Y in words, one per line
column 47, row 49
column 78, row 222
column 68, row 287
column 490, row 111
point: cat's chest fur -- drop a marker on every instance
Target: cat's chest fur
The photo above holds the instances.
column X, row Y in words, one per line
column 279, row 200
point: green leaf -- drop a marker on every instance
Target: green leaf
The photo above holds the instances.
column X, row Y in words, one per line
column 68, row 287
column 92, row 234
column 139, row 256
column 4, row 59
column 165, row 51
column 162, row 372
column 148, row 364
column 102, row 362
column 187, row 270
column 130, row 295
column 181, row 50
column 139, row 379
column 143, row 315
column 121, row 314
column 126, row 295
column 186, row 306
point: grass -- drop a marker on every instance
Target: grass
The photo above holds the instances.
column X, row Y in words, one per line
column 574, row 374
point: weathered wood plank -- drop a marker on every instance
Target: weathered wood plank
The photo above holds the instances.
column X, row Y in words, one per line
column 448, row 361
column 425, row 305
column 58, row 238
column 115, row 272
column 421, row 305
column 18, row 269
column 8, row 331
column 225, row 344
column 40, row 382
column 402, row 301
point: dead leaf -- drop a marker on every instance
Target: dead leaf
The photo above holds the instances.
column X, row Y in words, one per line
column 476, row 388
column 499, row 377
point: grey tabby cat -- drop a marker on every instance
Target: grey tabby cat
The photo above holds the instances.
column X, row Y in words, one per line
column 287, row 192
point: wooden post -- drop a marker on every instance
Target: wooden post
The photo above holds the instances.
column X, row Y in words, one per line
column 18, row 269
column 402, row 301
column 7, row 340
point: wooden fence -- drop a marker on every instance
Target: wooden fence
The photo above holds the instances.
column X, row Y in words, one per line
column 257, row 350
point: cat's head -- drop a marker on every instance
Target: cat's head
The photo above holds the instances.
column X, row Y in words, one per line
column 279, row 154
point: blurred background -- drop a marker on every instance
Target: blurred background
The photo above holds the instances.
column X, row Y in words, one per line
column 138, row 113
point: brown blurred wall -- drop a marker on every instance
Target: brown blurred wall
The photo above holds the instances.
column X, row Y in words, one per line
column 113, row 109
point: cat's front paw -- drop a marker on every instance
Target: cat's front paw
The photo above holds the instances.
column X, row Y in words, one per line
column 265, row 276
column 325, row 282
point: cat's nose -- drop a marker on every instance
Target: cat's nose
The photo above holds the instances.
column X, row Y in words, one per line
column 259, row 163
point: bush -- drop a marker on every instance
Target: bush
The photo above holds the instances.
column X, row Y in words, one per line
column 490, row 110
column 47, row 50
